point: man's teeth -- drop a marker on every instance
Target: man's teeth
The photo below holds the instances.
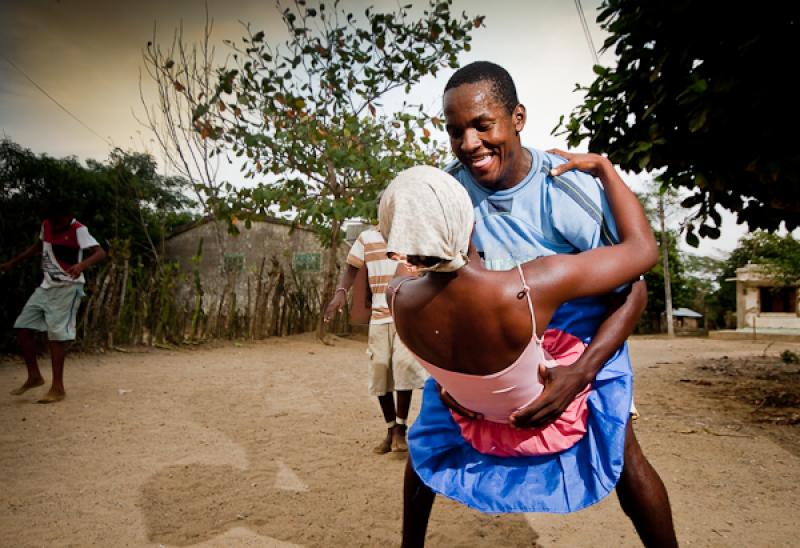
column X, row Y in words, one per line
column 482, row 161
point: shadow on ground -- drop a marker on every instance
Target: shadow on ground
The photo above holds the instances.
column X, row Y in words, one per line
column 309, row 485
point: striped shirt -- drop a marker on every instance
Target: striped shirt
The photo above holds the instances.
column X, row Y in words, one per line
column 370, row 249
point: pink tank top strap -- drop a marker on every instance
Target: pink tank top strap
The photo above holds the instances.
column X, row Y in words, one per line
column 397, row 290
column 526, row 289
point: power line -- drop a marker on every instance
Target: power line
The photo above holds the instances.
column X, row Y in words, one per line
column 62, row 107
column 586, row 32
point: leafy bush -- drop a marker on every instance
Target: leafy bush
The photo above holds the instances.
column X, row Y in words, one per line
column 787, row 356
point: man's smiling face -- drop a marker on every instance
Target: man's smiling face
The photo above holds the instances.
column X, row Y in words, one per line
column 484, row 136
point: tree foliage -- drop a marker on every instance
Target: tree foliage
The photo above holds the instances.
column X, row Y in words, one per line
column 780, row 256
column 123, row 198
column 307, row 114
column 657, row 202
column 180, row 73
column 702, row 287
column 701, row 93
column 656, row 301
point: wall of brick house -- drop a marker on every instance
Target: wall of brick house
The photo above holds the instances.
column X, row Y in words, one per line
column 267, row 282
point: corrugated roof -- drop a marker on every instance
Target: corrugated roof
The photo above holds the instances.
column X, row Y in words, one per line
column 685, row 313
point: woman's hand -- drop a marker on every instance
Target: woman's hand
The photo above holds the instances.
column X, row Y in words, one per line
column 588, row 162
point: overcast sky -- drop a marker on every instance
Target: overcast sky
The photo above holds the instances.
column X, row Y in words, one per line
column 86, row 54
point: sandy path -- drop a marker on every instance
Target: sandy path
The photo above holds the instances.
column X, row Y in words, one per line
column 268, row 444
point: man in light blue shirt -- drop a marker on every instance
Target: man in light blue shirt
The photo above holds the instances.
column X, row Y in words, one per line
column 543, row 215
column 540, row 215
column 526, row 207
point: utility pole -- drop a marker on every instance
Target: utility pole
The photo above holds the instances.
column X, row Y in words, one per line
column 665, row 265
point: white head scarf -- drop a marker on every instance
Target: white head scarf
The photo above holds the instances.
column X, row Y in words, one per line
column 424, row 211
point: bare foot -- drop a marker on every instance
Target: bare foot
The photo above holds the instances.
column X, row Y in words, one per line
column 386, row 445
column 399, row 444
column 53, row 396
column 27, row 386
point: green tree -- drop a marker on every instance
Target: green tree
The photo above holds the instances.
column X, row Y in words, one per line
column 686, row 97
column 147, row 205
column 694, row 278
column 702, row 287
column 665, row 293
column 656, row 302
column 308, row 118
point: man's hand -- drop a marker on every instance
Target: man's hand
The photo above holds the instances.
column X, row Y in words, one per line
column 336, row 305
column 561, row 386
column 75, row 270
column 589, row 162
column 453, row 405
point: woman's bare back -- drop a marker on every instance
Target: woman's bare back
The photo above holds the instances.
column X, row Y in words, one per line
column 474, row 321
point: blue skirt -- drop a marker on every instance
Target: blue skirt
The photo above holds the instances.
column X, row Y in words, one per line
column 559, row 483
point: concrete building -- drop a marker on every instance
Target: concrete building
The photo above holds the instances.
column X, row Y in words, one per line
column 267, row 280
column 762, row 303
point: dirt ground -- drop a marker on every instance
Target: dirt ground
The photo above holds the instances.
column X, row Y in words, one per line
column 268, row 444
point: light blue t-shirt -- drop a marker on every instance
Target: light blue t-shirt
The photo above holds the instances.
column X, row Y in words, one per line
column 542, row 215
